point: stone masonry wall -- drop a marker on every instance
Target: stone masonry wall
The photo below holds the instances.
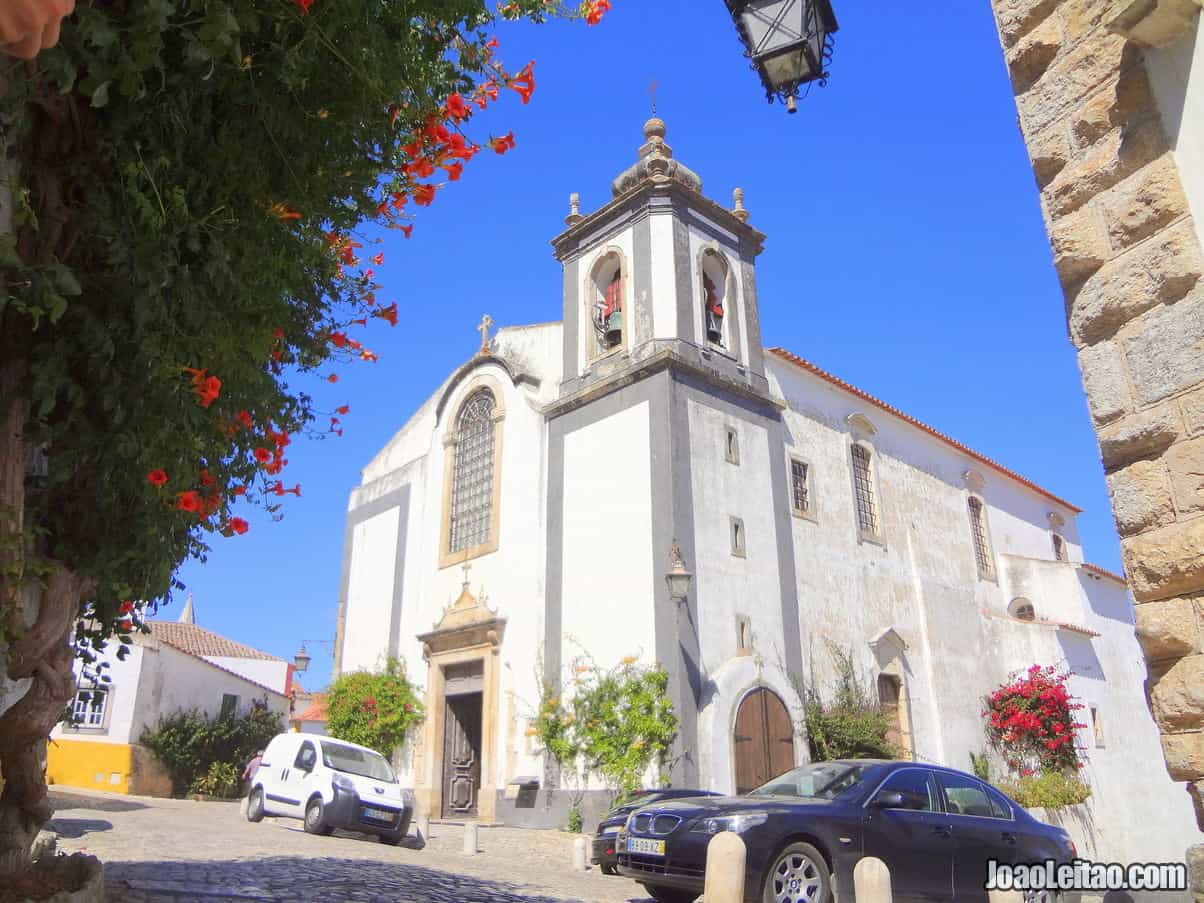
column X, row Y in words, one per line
column 1129, row 259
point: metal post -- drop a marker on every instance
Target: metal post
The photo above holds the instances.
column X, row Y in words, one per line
column 871, row 881
column 579, row 856
column 470, row 839
column 726, row 855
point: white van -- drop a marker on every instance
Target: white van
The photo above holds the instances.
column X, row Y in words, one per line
column 329, row 784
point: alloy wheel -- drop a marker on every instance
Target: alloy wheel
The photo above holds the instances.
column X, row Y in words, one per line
column 796, row 879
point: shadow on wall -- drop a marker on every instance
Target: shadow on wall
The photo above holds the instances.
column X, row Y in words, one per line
column 340, row 879
column 1080, row 655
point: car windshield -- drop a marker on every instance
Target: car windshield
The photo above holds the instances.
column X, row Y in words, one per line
column 819, row 780
column 357, row 761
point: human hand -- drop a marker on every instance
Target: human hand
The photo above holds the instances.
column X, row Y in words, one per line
column 27, row 26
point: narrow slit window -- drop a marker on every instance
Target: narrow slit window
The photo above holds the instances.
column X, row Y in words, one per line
column 863, row 489
column 978, row 530
column 737, row 528
column 1059, row 548
column 800, row 496
column 731, row 442
column 1097, row 727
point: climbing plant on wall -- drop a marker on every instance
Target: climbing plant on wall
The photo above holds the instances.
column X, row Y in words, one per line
column 376, row 709
column 1031, row 722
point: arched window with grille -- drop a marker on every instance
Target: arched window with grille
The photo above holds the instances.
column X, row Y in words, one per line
column 470, row 517
column 863, row 493
column 982, row 542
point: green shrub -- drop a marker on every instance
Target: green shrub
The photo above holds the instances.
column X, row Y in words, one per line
column 1049, row 790
column 575, row 820
column 981, row 766
column 222, row 780
column 851, row 725
column 374, row 709
column 190, row 743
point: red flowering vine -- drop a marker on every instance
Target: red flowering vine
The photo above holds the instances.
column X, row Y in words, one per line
column 1030, row 720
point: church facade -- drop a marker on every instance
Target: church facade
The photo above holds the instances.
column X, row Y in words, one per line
column 526, row 513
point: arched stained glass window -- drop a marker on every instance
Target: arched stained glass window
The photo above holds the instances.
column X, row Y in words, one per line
column 472, row 474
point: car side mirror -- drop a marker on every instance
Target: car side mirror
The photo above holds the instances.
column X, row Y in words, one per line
column 890, row 799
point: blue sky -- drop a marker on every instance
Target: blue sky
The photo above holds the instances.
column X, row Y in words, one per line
column 905, row 253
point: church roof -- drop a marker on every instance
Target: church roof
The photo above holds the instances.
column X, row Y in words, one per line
column 198, row 641
column 935, row 433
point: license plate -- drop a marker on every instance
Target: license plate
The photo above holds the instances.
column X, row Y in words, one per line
column 379, row 814
column 645, row 846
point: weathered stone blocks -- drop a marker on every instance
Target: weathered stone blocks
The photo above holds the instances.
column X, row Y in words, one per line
column 1048, row 152
column 1177, row 694
column 1111, row 160
column 1029, row 59
column 1139, row 436
column 1105, row 381
column 1141, row 497
column 1076, row 73
column 1018, row 17
column 1168, row 561
column 1080, row 246
column 1145, row 203
column 1160, row 271
column 1193, row 411
column 1127, row 98
column 1185, row 461
column 1184, row 755
column 1166, row 356
column 1169, row 628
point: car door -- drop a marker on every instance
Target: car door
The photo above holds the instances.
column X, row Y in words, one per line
column 982, row 831
column 300, row 782
column 914, row 839
column 277, row 760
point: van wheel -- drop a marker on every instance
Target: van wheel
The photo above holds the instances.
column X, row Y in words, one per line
column 255, row 805
column 315, row 822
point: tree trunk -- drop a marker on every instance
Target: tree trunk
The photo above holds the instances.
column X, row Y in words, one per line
column 40, row 651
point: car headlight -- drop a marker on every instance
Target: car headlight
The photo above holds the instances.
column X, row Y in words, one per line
column 737, row 823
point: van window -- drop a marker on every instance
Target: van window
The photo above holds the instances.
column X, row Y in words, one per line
column 356, row 761
column 306, row 757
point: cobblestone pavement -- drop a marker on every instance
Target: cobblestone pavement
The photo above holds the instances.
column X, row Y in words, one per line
column 170, row 851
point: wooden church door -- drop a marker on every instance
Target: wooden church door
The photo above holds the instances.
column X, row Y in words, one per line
column 461, row 755
column 763, row 741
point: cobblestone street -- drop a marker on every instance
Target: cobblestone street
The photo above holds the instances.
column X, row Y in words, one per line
column 169, row 851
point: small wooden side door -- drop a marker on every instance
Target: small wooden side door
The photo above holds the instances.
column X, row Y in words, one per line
column 763, row 741
column 461, row 755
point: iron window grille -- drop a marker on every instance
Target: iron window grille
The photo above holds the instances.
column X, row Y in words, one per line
column 978, row 529
column 863, row 489
column 1059, row 548
column 472, row 474
column 88, row 707
column 799, row 496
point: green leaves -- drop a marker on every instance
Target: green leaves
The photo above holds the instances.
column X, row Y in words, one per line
column 376, row 710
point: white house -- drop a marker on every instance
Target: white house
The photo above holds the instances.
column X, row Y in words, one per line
column 179, row 666
column 526, row 512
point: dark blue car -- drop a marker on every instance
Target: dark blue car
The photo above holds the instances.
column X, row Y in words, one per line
column 935, row 828
column 604, row 854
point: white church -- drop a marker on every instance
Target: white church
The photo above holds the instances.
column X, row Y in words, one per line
column 527, row 510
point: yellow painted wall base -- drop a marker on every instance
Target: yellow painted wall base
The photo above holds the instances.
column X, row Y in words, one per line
column 86, row 763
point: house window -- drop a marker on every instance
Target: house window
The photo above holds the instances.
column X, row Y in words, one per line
column 737, row 532
column 1059, row 548
column 731, row 445
column 863, row 492
column 472, row 474
column 1097, row 727
column 229, row 705
column 800, row 490
column 1022, row 610
column 978, row 530
column 88, row 707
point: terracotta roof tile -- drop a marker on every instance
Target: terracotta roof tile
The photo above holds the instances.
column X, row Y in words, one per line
column 201, row 642
column 315, row 712
column 890, row 409
column 1104, row 572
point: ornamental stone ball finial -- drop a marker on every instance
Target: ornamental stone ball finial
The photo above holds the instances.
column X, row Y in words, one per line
column 574, row 209
column 675, row 559
column 738, row 210
column 483, row 329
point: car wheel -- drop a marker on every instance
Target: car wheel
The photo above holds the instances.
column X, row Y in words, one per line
column 669, row 894
column 608, row 868
column 799, row 874
column 255, row 805
column 315, row 822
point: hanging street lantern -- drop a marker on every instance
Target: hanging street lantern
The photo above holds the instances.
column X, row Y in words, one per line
column 678, row 578
column 301, row 659
column 788, row 41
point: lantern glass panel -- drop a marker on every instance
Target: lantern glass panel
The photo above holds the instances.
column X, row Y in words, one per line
column 773, row 25
column 787, row 69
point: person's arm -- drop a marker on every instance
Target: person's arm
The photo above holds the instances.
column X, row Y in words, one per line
column 27, row 26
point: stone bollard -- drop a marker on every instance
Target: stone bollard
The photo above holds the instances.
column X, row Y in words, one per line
column 470, row 839
column 422, row 826
column 580, row 859
column 871, row 881
column 726, row 856
column 1005, row 896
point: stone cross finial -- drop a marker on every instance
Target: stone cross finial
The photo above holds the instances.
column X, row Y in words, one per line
column 483, row 329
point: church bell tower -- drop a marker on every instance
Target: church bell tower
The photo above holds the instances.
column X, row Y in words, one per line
column 660, row 270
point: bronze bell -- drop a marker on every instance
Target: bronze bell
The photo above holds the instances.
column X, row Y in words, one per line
column 614, row 329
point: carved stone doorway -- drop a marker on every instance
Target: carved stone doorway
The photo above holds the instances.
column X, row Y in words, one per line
column 763, row 740
column 462, row 722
